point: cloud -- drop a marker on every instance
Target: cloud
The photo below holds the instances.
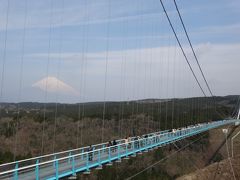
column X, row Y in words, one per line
column 76, row 13
column 220, row 29
column 54, row 85
column 137, row 74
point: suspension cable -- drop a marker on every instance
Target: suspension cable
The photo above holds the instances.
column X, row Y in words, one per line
column 121, row 85
column 106, row 71
column 174, row 80
column 183, row 52
column 21, row 75
column 195, row 56
column 167, row 157
column 47, row 78
column 80, row 103
column 85, row 66
column 4, row 51
column 58, row 75
column 228, row 155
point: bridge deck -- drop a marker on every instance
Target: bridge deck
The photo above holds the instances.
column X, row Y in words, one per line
column 67, row 163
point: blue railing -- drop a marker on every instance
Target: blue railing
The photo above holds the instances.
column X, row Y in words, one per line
column 67, row 163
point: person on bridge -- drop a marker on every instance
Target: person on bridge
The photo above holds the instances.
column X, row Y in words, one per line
column 129, row 141
column 109, row 143
column 90, row 154
column 136, row 142
column 146, row 138
column 126, row 141
column 114, row 144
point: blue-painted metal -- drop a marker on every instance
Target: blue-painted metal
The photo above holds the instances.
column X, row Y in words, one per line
column 126, row 147
column 93, row 154
column 109, row 154
column 69, row 157
column 56, row 170
column 73, row 165
column 16, row 172
column 54, row 161
column 103, row 148
column 99, row 157
column 82, row 153
column 87, row 162
column 118, row 152
column 37, row 170
column 134, row 148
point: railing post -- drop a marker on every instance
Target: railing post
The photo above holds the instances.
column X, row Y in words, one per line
column 126, row 149
column 87, row 162
column 109, row 154
column 54, row 161
column 69, row 157
column 16, row 172
column 93, row 152
column 99, row 157
column 152, row 142
column 138, row 143
column 56, row 169
column 103, row 148
column 37, row 170
column 82, row 154
column 118, row 153
column 73, row 164
column 133, row 146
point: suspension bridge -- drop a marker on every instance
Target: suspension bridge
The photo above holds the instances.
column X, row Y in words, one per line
column 172, row 121
column 67, row 163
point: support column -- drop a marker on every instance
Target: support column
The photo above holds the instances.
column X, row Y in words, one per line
column 37, row 170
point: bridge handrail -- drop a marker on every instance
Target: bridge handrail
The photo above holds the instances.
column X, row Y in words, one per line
column 53, row 154
column 104, row 148
column 80, row 154
column 67, row 151
column 84, row 153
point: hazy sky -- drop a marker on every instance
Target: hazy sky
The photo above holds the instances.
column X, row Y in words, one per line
column 62, row 46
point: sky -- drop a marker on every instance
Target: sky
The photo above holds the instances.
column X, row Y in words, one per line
column 106, row 50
